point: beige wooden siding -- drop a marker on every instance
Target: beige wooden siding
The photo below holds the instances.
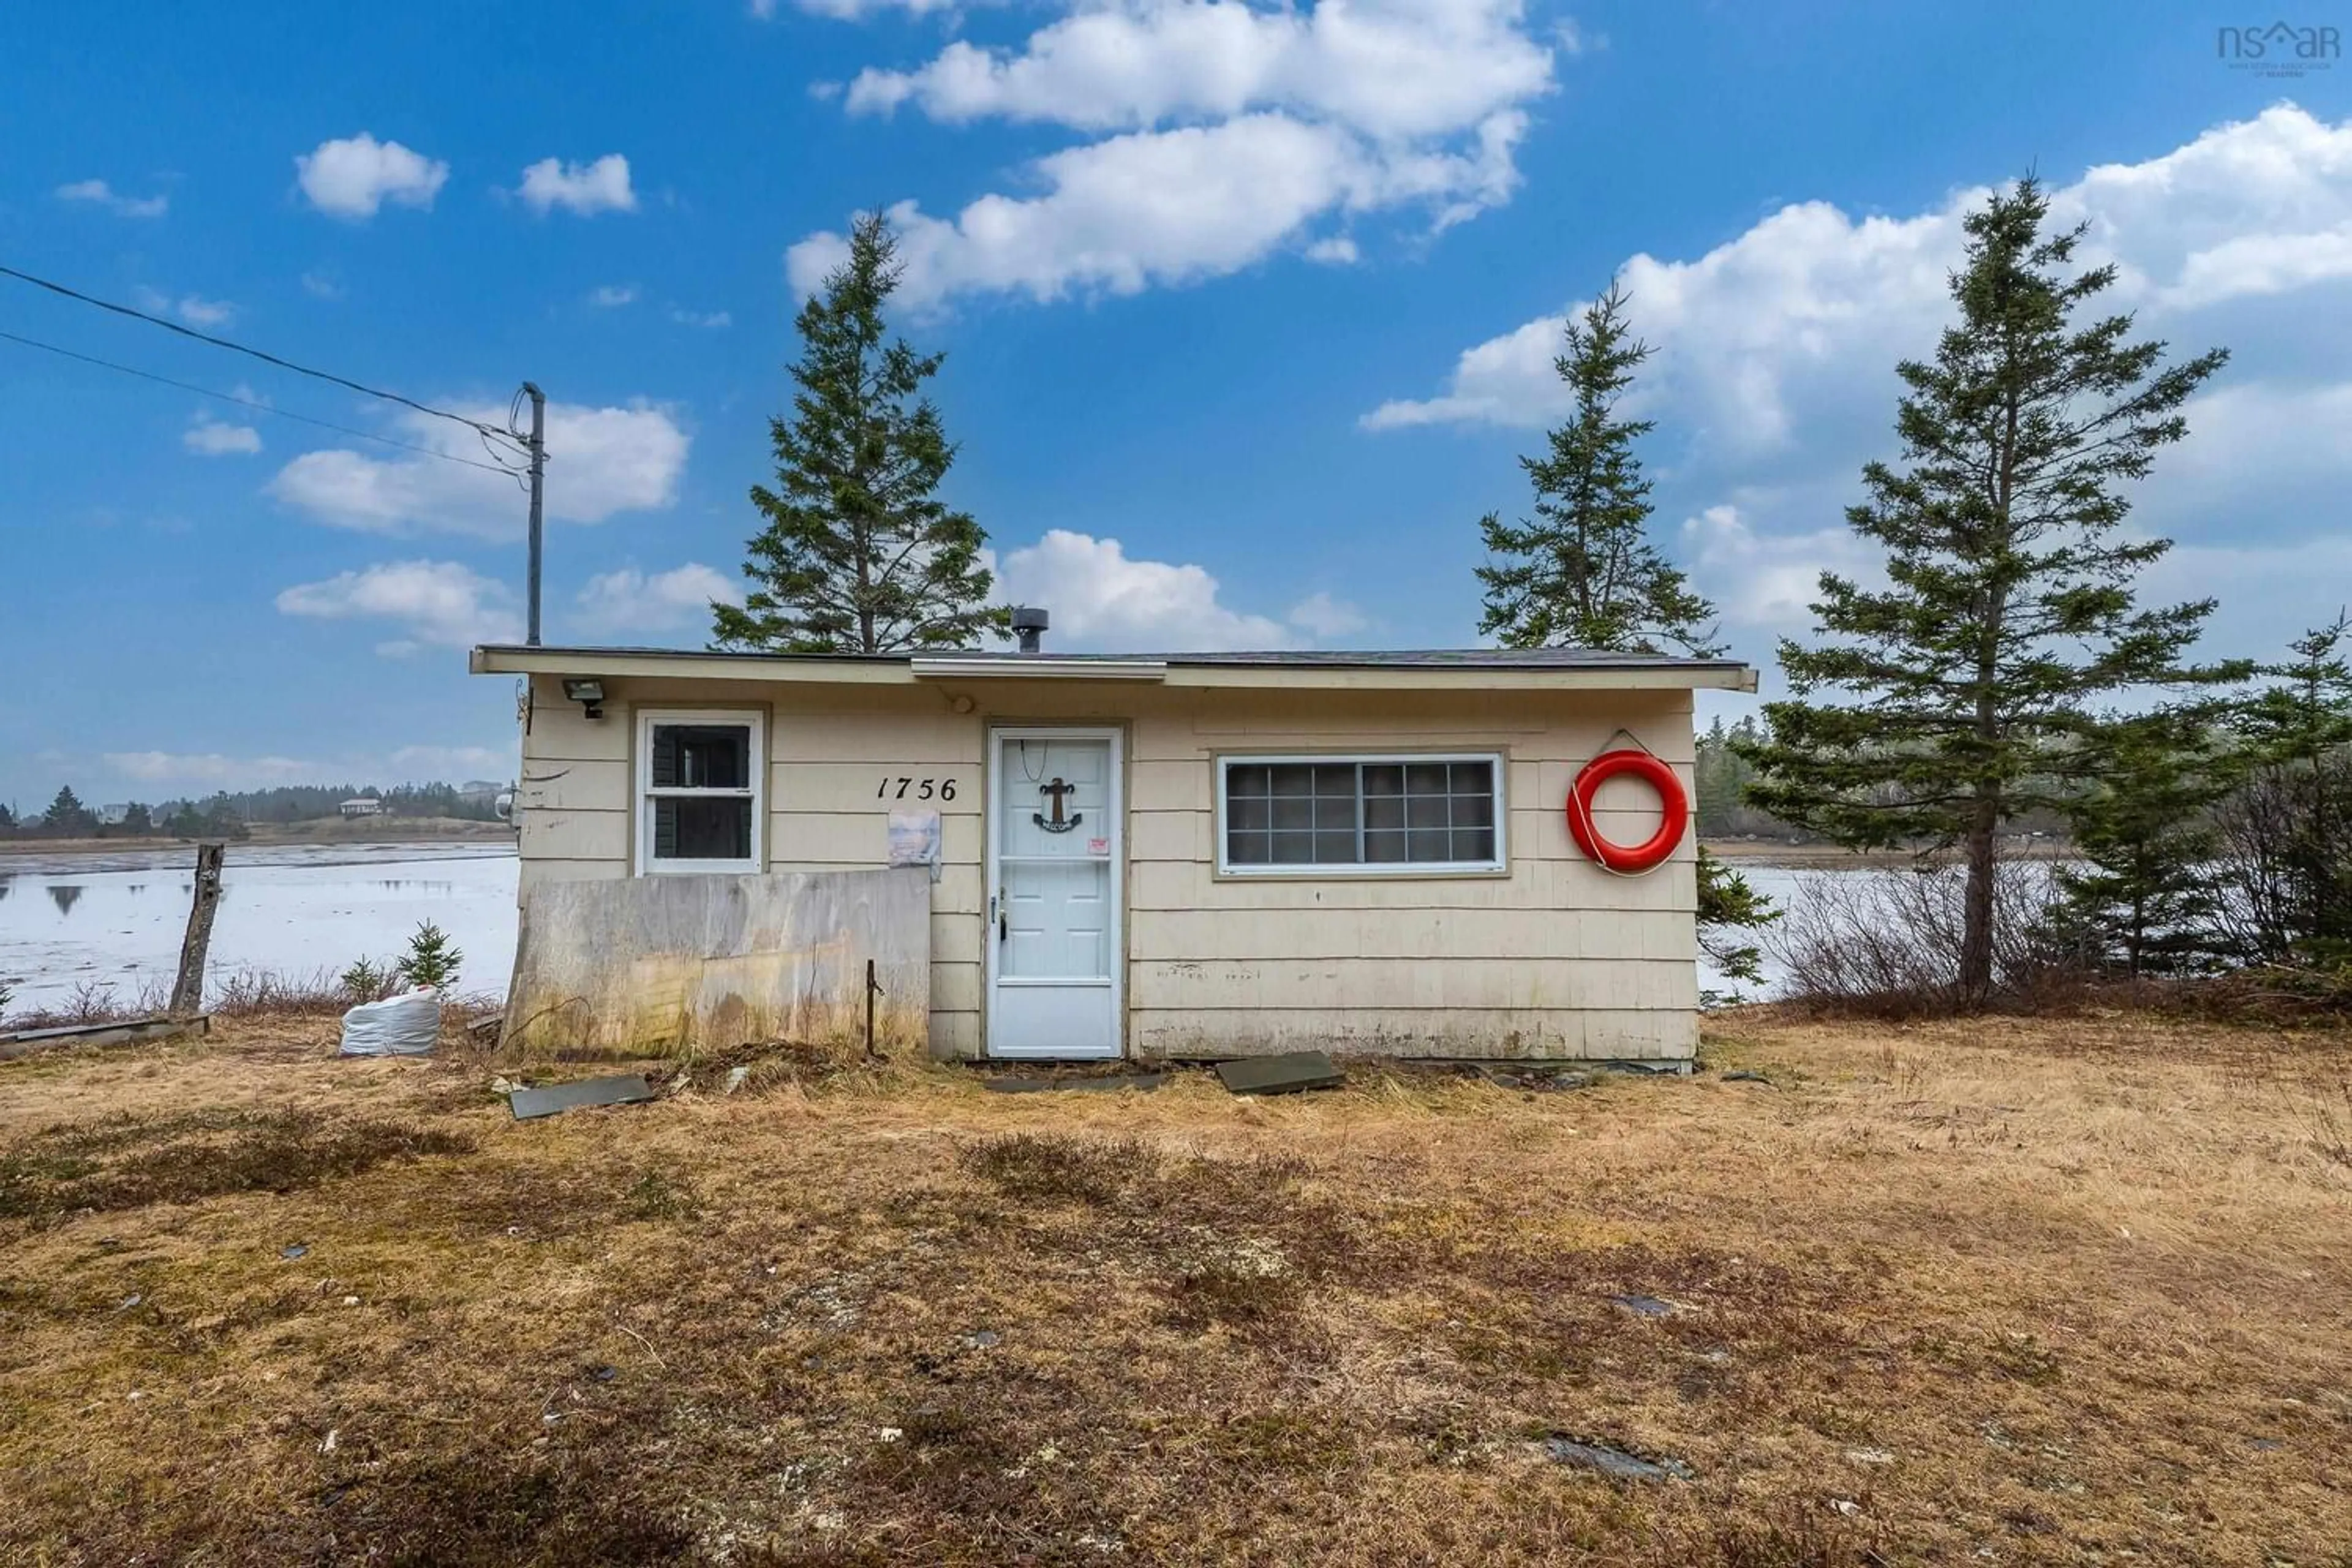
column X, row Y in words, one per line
column 1551, row 957
column 1555, row 957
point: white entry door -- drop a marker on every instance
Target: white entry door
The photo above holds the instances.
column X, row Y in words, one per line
column 1054, row 858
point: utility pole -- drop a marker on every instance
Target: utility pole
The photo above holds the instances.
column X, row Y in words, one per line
column 538, row 491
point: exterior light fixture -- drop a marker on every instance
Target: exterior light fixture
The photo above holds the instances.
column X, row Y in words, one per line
column 589, row 694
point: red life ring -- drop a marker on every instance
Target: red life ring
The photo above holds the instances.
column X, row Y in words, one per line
column 1634, row 859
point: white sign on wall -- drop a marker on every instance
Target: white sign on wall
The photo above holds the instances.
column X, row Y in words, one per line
column 915, row 839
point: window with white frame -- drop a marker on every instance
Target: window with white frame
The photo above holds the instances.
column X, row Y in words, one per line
column 1360, row 815
column 698, row 791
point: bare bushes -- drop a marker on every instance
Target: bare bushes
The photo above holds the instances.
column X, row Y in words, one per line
column 1889, row 945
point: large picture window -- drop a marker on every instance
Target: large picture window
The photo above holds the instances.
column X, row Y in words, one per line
column 698, row 791
column 1364, row 815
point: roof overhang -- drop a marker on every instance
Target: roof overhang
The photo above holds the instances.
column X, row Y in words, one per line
column 681, row 664
column 1017, row 667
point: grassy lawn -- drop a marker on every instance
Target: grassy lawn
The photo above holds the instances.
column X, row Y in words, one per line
column 2071, row 1291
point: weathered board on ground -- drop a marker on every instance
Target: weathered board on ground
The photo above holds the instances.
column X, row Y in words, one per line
column 122, row 1032
column 530, row 1104
column 667, row 964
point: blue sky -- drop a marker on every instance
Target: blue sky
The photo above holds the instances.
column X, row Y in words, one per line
column 1247, row 312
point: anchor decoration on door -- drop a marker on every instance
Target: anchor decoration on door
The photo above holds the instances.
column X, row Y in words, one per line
column 1059, row 824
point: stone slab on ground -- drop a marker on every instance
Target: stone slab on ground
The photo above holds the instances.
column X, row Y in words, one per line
column 1286, row 1074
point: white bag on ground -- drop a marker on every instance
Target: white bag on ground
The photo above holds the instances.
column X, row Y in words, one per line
column 402, row 1025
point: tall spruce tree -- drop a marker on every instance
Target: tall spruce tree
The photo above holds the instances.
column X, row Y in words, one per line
column 858, row 556
column 1954, row 698
column 68, row 817
column 1582, row 573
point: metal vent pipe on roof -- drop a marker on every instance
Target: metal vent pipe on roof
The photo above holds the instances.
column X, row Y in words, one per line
column 1029, row 624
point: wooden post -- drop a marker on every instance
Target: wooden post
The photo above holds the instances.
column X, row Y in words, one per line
column 872, row 989
column 188, row 990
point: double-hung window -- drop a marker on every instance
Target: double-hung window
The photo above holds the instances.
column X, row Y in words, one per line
column 698, row 806
column 1359, row 814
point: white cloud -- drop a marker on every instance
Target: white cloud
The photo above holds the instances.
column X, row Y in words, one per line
column 634, row 601
column 1574, row 41
column 1324, row 617
column 97, row 192
column 1170, row 207
column 434, row 604
column 708, row 319
column 319, row 286
column 1101, row 599
column 1393, row 70
column 1227, row 128
column 586, row 189
column 1768, row 580
column 210, row 437
column 1774, row 377
column 1337, row 251
column 193, row 309
column 210, row 768
column 1801, row 317
column 613, row 295
column 199, row 313
column 355, row 176
column 600, row 461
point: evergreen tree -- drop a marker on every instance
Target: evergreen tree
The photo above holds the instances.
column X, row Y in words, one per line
column 1582, row 573
column 138, row 820
column 858, row 554
column 2143, row 900
column 7, row 817
column 2289, row 826
column 68, row 817
column 1960, row 687
column 432, row 958
column 1727, row 906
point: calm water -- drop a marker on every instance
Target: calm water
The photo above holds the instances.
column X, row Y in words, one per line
column 69, row 921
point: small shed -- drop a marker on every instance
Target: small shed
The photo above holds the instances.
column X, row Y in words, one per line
column 1187, row 855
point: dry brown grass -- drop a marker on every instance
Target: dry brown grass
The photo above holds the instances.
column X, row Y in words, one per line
column 1994, row 1291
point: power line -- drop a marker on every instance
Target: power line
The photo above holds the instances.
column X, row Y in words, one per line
column 252, row 403
column 486, row 430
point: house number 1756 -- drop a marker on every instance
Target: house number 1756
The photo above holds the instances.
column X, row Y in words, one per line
column 903, row 788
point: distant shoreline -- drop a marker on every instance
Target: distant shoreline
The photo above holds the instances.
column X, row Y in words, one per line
column 330, row 832
column 1780, row 854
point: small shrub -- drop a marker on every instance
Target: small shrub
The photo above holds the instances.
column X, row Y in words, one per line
column 367, row 981
column 433, row 959
column 1887, row 945
column 1234, row 1293
column 1057, row 1165
column 656, row 1194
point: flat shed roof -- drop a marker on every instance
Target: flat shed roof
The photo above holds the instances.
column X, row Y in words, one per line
column 1558, row 667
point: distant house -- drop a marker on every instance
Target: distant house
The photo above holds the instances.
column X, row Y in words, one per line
column 362, row 806
column 113, row 816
